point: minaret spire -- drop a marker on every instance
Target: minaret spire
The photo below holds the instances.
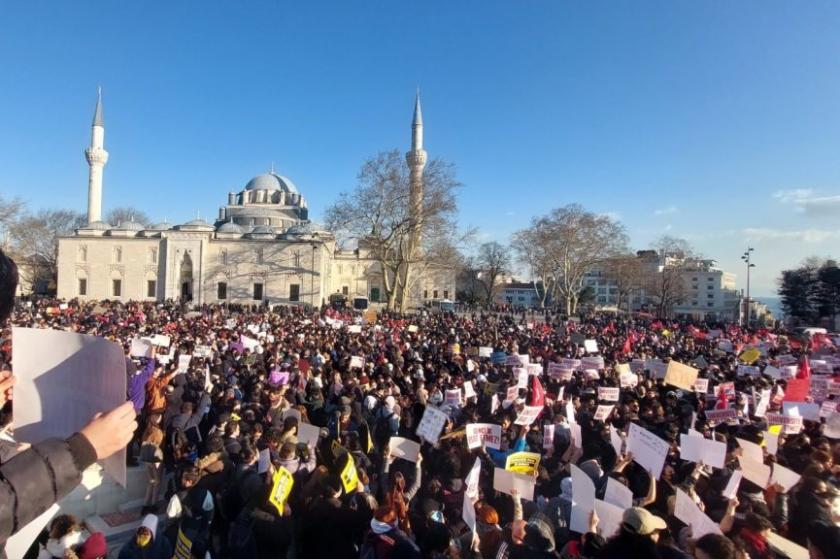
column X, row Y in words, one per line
column 96, row 157
column 417, row 125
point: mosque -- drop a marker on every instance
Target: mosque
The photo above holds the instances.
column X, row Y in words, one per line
column 262, row 248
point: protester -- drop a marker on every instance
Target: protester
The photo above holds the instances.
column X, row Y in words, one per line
column 34, row 479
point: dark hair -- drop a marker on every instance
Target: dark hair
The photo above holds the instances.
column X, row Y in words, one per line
column 716, row 546
column 8, row 285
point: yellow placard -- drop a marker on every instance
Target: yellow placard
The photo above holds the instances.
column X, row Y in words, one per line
column 750, row 356
column 775, row 429
column 349, row 476
column 523, row 463
column 281, row 486
column 622, row 368
column 490, row 388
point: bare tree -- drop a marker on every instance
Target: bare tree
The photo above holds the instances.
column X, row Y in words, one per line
column 665, row 269
column 566, row 244
column 11, row 211
column 123, row 214
column 377, row 215
column 493, row 260
column 34, row 241
column 533, row 249
column 625, row 272
column 470, row 287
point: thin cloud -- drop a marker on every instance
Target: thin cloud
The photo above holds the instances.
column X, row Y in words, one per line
column 666, row 211
column 615, row 216
column 806, row 201
column 802, row 235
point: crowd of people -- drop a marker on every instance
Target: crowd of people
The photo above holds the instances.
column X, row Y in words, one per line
column 282, row 433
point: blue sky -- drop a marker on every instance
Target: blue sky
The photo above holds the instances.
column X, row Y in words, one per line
column 715, row 121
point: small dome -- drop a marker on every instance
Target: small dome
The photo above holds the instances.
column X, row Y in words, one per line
column 229, row 227
column 130, row 226
column 262, row 230
column 97, row 226
column 162, row 226
column 271, row 181
column 306, row 228
column 196, row 223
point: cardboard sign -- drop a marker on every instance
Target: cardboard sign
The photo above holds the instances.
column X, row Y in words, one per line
column 404, row 448
column 701, row 385
column 681, row 376
column 354, row 329
column 534, row 369
column 806, row 410
column 748, row 370
column 349, row 476
column 281, row 487
column 790, row 425
column 592, row 362
column 485, row 351
column 518, row 360
column 357, row 362
column 523, row 463
column 431, row 424
column 487, row 433
column 591, row 346
column 412, row 328
column 608, row 393
column 622, row 368
column 573, row 364
column 628, row 380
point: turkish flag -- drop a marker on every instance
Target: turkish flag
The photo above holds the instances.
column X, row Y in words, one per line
column 804, row 371
column 537, row 392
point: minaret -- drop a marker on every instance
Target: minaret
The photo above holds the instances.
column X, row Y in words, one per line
column 96, row 157
column 416, row 159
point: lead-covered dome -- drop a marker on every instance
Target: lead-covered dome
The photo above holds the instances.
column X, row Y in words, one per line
column 130, row 226
column 271, row 181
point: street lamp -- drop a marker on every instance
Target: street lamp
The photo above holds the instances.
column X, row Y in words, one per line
column 746, row 257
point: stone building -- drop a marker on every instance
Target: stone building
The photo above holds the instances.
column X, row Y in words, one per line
column 262, row 247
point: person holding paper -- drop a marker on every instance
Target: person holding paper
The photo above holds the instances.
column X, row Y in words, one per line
column 637, row 537
column 395, row 493
column 38, row 477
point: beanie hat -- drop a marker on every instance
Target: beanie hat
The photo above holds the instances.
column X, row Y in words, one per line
column 94, row 547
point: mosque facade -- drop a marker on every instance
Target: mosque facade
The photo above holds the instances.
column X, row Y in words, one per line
column 262, row 248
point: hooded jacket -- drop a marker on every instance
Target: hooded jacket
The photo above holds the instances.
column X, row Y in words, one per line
column 157, row 548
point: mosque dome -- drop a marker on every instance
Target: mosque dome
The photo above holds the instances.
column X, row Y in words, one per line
column 162, row 226
column 262, row 230
column 271, row 181
column 196, row 224
column 130, row 226
column 302, row 229
column 229, row 227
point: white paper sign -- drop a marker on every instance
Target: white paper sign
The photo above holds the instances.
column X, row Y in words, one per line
column 357, row 362
column 732, row 485
column 505, row 482
column 487, row 433
column 591, row 346
column 618, row 494
column 700, row 449
column 65, row 379
column 756, row 472
column 548, row 436
column 648, row 450
column 805, row 410
column 603, row 412
column 583, row 500
column 609, row 518
column 432, row 424
column 528, row 415
column 785, row 477
column 608, row 393
column 160, row 340
column 404, row 448
column 308, row 434
column 141, row 347
column 184, row 363
column 485, row 351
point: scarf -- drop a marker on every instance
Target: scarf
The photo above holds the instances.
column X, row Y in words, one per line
column 754, row 539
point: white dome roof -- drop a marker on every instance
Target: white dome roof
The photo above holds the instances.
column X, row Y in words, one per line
column 97, row 226
column 271, row 181
column 130, row 226
column 229, row 227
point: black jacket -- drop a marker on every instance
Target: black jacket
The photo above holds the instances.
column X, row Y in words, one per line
column 32, row 481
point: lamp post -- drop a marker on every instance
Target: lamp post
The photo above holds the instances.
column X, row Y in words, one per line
column 746, row 257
